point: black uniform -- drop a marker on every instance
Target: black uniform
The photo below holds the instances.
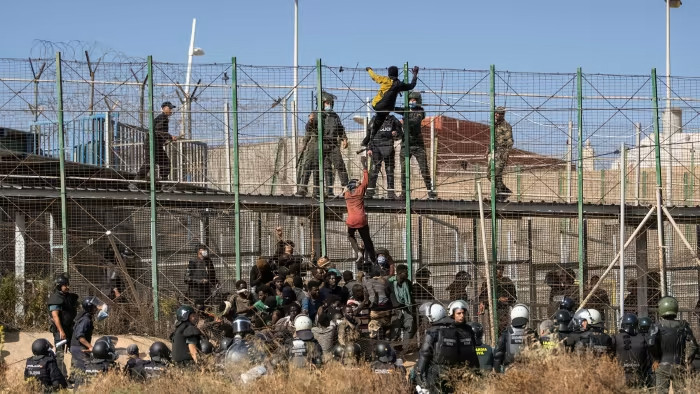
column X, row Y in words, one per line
column 162, row 135
column 674, row 343
column 154, row 368
column 333, row 134
column 412, row 126
column 381, row 143
column 134, row 369
column 382, row 368
column 512, row 341
column 596, row 340
column 200, row 279
column 446, row 344
column 46, row 371
column 93, row 368
column 83, row 329
column 633, row 354
column 185, row 334
column 67, row 306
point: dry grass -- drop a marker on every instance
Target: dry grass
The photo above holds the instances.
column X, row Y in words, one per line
column 535, row 373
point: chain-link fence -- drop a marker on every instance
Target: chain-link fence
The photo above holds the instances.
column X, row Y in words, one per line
column 245, row 173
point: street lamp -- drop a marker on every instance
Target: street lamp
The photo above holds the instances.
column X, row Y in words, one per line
column 667, row 115
column 186, row 117
column 295, row 130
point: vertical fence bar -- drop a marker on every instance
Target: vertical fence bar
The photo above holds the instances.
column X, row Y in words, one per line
column 659, row 185
column 152, row 175
column 321, row 185
column 581, row 233
column 62, row 162
column 407, row 169
column 638, row 166
column 494, row 219
column 569, row 158
column 235, row 159
column 623, row 200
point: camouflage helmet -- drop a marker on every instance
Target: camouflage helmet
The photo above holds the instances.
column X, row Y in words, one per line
column 668, row 307
column 500, row 109
column 415, row 95
column 327, row 97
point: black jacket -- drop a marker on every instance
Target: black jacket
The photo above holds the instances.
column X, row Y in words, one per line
column 68, row 304
column 412, row 125
column 447, row 344
column 200, row 279
column 45, row 370
column 383, row 136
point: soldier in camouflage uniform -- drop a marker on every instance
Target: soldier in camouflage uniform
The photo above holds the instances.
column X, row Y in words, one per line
column 309, row 157
column 412, row 126
column 334, row 139
column 504, row 143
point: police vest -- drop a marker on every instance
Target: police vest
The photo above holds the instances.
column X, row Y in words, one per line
column 181, row 351
column 68, row 312
column 598, row 342
column 448, row 346
column 299, row 353
column 381, row 368
column 632, row 352
column 547, row 342
column 672, row 336
column 485, row 355
column 515, row 343
column 153, row 369
column 37, row 367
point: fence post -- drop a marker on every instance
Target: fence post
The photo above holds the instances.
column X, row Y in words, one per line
column 494, row 219
column 62, row 162
column 579, row 171
column 321, row 184
column 659, row 197
column 235, row 168
column 152, row 175
column 407, row 170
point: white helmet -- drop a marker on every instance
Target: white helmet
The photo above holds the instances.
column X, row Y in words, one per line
column 433, row 311
column 520, row 310
column 595, row 316
column 584, row 314
column 457, row 304
column 302, row 322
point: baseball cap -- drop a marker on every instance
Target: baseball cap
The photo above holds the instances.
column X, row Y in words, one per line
column 167, row 104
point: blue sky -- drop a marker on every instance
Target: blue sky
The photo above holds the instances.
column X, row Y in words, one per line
column 622, row 36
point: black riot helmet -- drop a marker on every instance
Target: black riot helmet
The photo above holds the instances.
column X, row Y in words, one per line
column 478, row 329
column 242, row 325
column 159, row 351
column 629, row 324
column 89, row 304
column 205, row 346
column 338, row 352
column 102, row 351
column 384, row 353
column 132, row 350
column 41, row 347
column 225, row 343
column 645, row 324
column 183, row 313
column 353, row 351
column 563, row 318
column 61, row 280
column 567, row 303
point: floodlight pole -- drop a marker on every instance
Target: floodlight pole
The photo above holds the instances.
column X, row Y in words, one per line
column 295, row 127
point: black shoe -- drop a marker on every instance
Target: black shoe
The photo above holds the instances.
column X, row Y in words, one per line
column 432, row 194
column 402, row 196
column 391, row 195
column 300, row 193
column 133, row 187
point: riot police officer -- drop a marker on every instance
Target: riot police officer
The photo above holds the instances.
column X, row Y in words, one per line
column 304, row 351
column 82, row 334
column 42, row 366
column 159, row 362
column 546, row 336
column 457, row 310
column 103, row 356
column 444, row 346
column 133, row 364
column 484, row 351
column 645, row 325
column 186, row 337
column 348, row 354
column 592, row 336
column 564, row 332
column 631, row 351
column 514, row 338
column 674, row 342
column 385, row 360
column 242, row 349
column 63, row 309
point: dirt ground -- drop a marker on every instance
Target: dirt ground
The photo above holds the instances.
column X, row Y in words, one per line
column 18, row 347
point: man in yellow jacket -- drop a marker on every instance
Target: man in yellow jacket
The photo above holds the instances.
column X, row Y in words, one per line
column 389, row 88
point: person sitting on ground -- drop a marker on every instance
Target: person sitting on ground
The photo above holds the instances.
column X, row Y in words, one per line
column 42, row 366
column 313, row 302
column 133, row 365
column 332, row 288
column 348, row 280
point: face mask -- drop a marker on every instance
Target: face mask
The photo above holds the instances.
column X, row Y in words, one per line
column 413, row 104
column 205, row 253
column 327, row 107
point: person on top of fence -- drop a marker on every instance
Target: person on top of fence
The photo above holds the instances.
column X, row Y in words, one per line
column 162, row 135
column 380, row 147
column 309, row 158
column 357, row 217
column 201, row 277
column 334, row 139
column 389, row 88
column 503, row 145
column 412, row 126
